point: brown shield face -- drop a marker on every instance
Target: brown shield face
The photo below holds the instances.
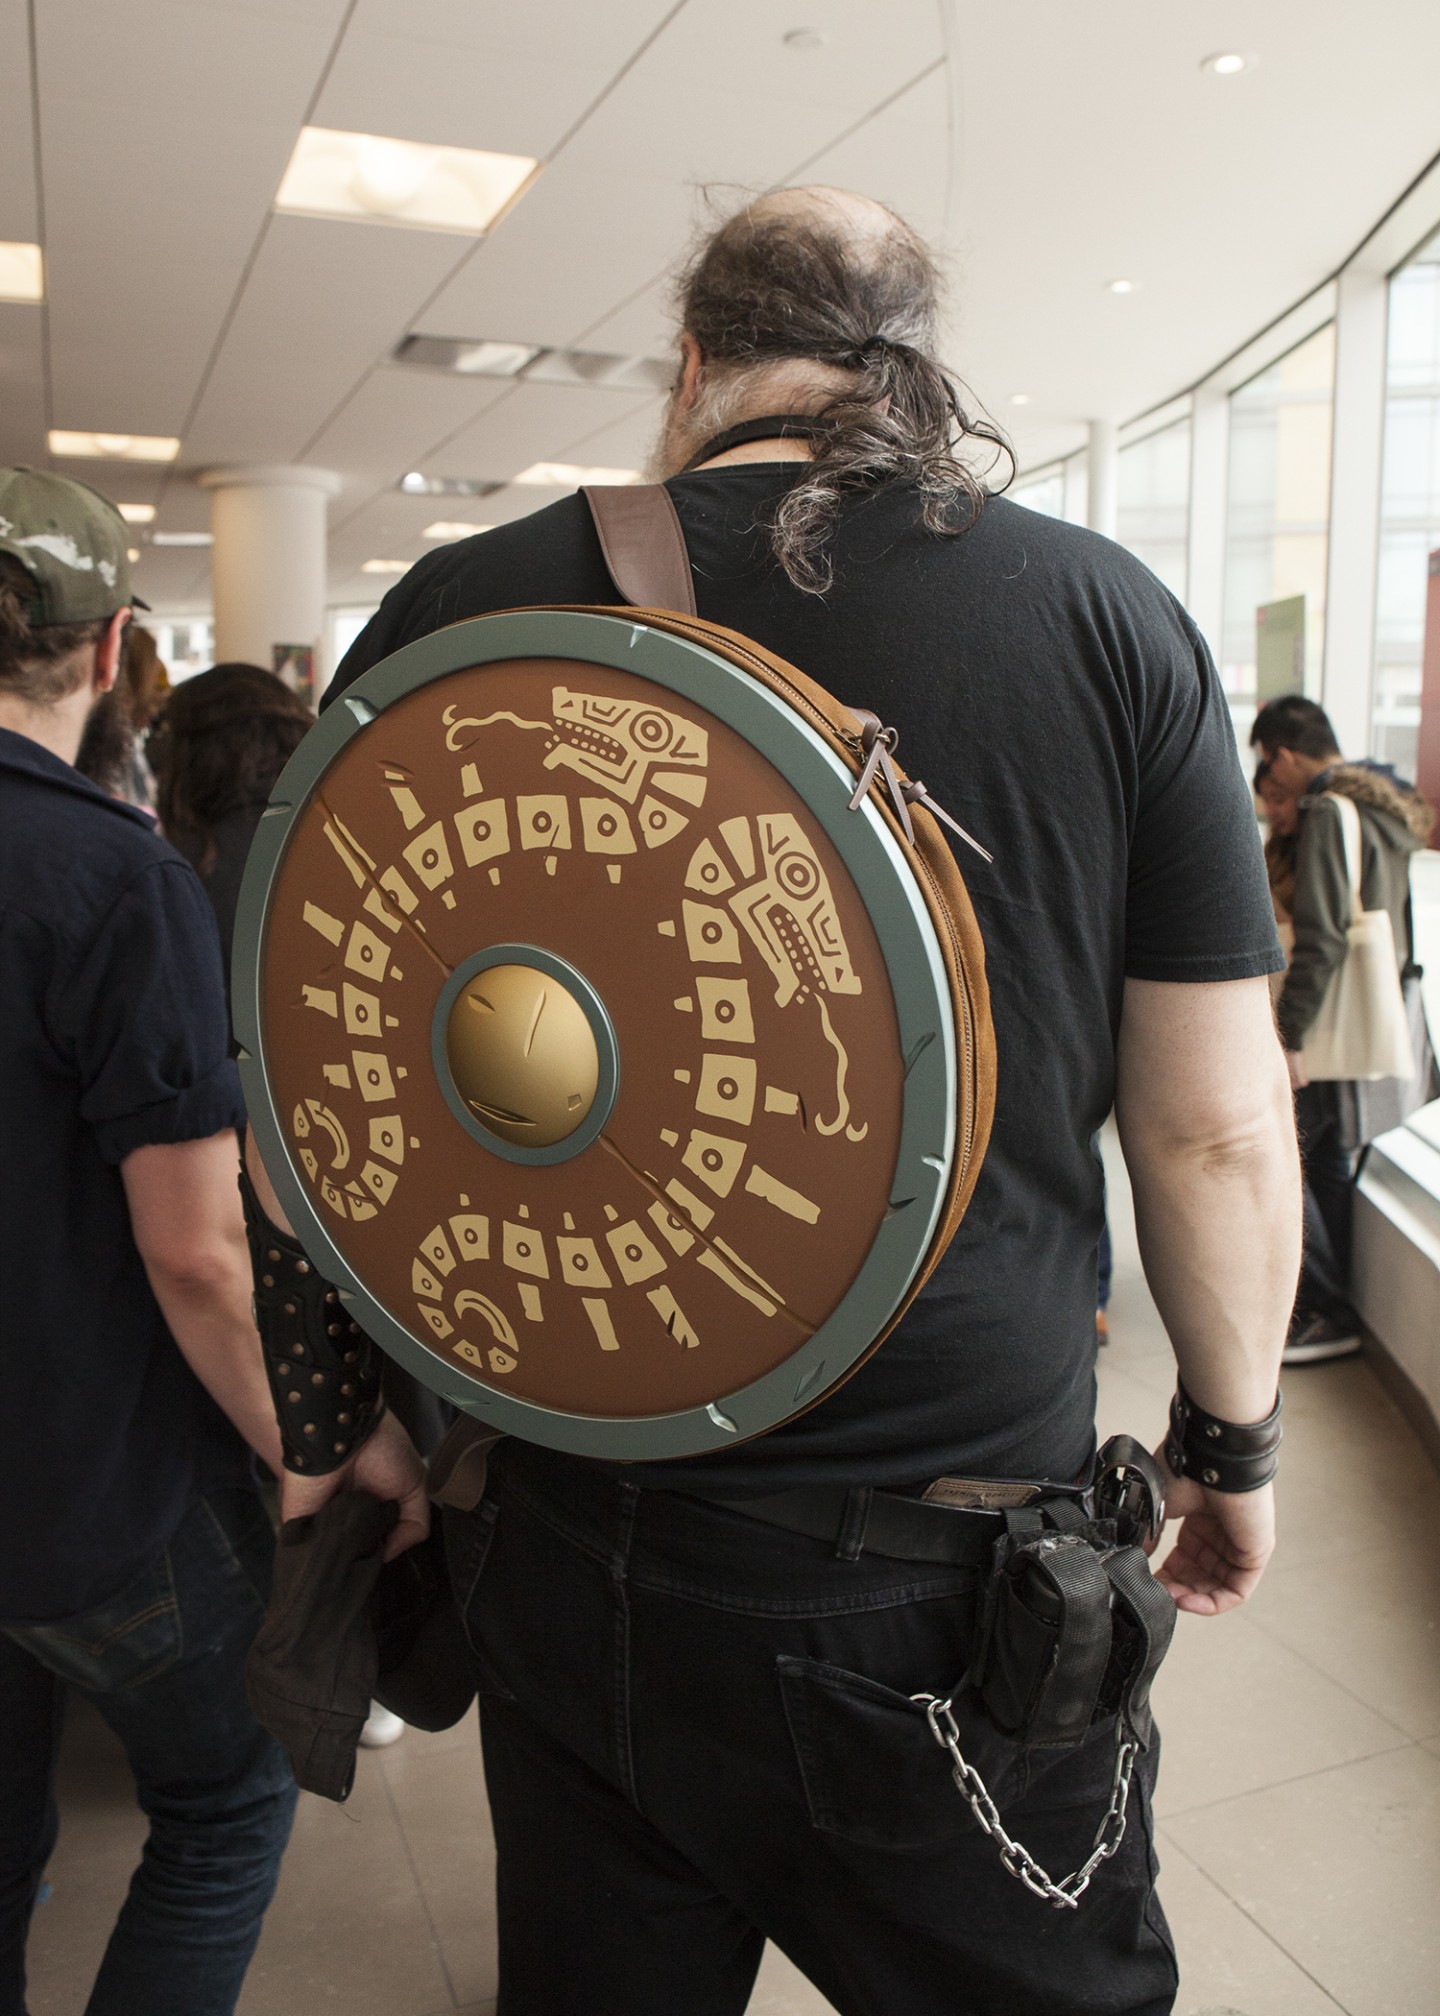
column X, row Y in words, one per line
column 580, row 1039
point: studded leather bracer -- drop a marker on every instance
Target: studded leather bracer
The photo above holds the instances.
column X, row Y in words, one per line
column 324, row 1372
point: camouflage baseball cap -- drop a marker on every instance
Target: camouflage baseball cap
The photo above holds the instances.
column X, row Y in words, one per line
column 73, row 543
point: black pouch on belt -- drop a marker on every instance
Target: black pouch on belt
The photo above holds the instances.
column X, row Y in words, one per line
column 1072, row 1630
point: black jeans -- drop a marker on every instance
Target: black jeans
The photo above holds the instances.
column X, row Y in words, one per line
column 164, row 1663
column 698, row 1735
column 1329, row 1170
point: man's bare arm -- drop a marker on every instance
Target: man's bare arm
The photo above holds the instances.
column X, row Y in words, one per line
column 1206, row 1123
column 186, row 1218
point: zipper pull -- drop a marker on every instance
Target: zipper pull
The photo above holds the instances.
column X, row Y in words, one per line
column 877, row 745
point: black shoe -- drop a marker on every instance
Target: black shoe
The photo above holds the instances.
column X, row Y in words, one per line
column 1321, row 1337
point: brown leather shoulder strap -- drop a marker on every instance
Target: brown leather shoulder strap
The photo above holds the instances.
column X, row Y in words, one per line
column 643, row 545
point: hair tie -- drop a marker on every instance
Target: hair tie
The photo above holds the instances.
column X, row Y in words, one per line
column 870, row 349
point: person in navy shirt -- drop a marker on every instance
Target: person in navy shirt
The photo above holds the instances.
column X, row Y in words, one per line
column 135, row 1551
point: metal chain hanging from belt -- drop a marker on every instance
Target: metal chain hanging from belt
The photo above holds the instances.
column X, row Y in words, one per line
column 1064, row 1895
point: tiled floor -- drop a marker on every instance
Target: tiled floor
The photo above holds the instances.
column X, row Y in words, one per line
column 1299, row 1802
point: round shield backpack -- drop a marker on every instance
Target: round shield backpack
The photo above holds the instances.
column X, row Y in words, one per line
column 613, row 1016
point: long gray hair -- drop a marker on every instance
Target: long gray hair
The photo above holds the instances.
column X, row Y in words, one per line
column 785, row 297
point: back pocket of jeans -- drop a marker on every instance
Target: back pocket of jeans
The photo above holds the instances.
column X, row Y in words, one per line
column 873, row 1773
column 121, row 1643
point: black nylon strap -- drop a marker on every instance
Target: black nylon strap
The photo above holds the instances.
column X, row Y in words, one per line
column 770, row 427
column 1083, row 1647
column 1151, row 1610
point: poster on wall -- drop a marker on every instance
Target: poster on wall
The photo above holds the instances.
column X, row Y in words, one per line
column 295, row 664
column 1279, row 648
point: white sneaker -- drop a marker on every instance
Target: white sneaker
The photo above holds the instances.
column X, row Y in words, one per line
column 381, row 1728
column 1321, row 1338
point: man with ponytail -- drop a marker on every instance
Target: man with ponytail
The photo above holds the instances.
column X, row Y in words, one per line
column 699, row 1722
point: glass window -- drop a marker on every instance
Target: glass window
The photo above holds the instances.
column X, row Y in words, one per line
column 1409, row 502
column 1044, row 491
column 1277, row 524
column 345, row 627
column 186, row 645
column 1152, row 513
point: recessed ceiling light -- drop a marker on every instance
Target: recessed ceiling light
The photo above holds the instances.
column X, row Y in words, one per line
column 570, row 476
column 1122, row 286
column 1225, row 63
column 182, row 539
column 385, row 567
column 494, row 357
column 114, row 447
column 472, row 357
column 807, row 40
column 22, row 273
column 414, row 484
column 132, row 554
column 382, row 181
column 452, row 528
column 1019, row 398
column 136, row 514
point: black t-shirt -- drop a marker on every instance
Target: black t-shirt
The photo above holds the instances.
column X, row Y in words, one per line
column 113, row 1035
column 1060, row 703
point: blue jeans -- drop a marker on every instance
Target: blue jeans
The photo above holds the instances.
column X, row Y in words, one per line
column 163, row 1663
column 699, row 1733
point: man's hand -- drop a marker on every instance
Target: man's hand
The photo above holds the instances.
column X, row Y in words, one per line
column 1296, row 1066
column 388, row 1466
column 1225, row 1539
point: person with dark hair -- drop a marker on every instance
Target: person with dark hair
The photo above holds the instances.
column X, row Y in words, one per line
column 1302, row 763
column 136, row 1552
column 216, row 748
column 698, row 1717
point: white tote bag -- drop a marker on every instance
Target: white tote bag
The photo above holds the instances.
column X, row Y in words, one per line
column 1361, row 1030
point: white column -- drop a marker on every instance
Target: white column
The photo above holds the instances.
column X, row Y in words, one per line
column 268, row 561
column 1355, row 457
column 1209, row 477
column 1103, row 472
column 1075, row 489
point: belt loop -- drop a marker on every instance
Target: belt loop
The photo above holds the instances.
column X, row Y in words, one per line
column 850, row 1542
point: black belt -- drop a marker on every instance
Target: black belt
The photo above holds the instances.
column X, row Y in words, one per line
column 859, row 1520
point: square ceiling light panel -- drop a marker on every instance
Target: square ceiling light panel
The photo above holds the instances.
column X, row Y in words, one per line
column 22, row 273
column 114, row 447
column 453, row 528
column 366, row 177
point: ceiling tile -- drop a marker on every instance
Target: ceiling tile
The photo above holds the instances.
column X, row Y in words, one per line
column 324, row 302
column 867, row 53
column 454, row 94
column 394, row 418
column 602, row 36
column 578, row 242
column 530, row 424
column 17, row 136
column 22, row 385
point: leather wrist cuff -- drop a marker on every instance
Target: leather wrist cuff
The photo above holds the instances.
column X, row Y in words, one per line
column 324, row 1372
column 1222, row 1455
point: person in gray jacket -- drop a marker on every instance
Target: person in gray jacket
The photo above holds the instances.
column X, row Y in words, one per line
column 1303, row 758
